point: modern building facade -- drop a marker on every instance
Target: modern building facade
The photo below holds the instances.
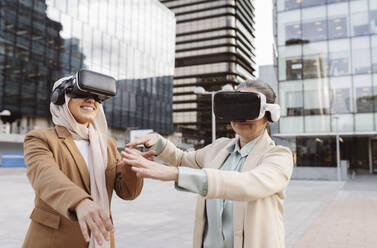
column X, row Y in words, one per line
column 327, row 73
column 131, row 40
column 214, row 47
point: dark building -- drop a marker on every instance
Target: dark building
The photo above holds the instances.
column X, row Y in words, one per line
column 43, row 40
column 214, row 47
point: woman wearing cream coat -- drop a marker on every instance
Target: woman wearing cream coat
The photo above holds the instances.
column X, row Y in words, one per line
column 241, row 182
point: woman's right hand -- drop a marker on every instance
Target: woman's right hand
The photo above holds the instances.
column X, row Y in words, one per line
column 94, row 218
column 148, row 141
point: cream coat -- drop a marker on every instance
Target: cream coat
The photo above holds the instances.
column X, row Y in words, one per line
column 258, row 190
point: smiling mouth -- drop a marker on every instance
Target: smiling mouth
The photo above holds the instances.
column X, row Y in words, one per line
column 88, row 108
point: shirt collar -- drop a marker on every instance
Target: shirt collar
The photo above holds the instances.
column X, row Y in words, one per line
column 245, row 150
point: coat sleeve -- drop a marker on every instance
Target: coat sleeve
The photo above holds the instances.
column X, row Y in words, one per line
column 269, row 177
column 50, row 184
column 127, row 185
column 173, row 156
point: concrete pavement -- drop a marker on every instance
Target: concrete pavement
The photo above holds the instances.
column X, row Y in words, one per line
column 163, row 217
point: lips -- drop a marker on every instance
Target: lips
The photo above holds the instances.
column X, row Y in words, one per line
column 88, row 107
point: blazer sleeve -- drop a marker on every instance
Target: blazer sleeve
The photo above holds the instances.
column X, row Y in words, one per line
column 173, row 156
column 127, row 185
column 269, row 177
column 50, row 184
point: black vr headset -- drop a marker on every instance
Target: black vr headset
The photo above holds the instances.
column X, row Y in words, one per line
column 241, row 106
column 85, row 84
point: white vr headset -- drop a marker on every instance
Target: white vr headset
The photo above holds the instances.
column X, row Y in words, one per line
column 241, row 106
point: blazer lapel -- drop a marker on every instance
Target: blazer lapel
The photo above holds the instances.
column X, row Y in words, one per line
column 257, row 151
column 221, row 156
column 76, row 154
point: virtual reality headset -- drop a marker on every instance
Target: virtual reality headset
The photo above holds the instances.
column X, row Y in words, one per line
column 242, row 106
column 85, row 84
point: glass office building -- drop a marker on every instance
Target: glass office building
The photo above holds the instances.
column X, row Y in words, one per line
column 327, row 72
column 131, row 40
column 214, row 47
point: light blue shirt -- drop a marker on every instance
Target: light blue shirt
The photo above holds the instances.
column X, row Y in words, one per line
column 219, row 224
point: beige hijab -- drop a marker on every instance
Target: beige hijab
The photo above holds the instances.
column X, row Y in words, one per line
column 96, row 134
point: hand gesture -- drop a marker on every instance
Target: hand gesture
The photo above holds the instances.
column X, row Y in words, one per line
column 148, row 169
column 147, row 155
column 147, row 140
column 94, row 219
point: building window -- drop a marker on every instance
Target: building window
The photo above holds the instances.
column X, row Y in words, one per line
column 337, row 28
column 314, row 30
column 316, row 152
column 314, row 67
column 294, row 69
column 364, row 99
column 361, row 52
column 340, row 101
column 359, row 18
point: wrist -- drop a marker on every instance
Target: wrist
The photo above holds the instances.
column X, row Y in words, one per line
column 175, row 174
column 82, row 202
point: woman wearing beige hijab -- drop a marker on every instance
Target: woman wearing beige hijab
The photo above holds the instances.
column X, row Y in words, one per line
column 74, row 169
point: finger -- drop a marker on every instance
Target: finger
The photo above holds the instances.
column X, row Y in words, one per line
column 132, row 151
column 141, row 172
column 135, row 163
column 101, row 226
column 139, row 141
column 131, row 157
column 148, row 154
column 84, row 230
column 106, row 220
column 94, row 229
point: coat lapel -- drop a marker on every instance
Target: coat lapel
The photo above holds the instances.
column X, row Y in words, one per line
column 257, row 151
column 76, row 154
column 220, row 158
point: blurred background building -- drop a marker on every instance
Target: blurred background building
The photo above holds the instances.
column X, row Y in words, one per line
column 327, row 73
column 43, row 40
column 214, row 47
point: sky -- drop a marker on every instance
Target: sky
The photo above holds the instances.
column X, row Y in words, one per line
column 264, row 32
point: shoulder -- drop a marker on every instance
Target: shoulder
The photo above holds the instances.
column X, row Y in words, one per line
column 220, row 143
column 281, row 149
column 278, row 153
column 112, row 144
column 212, row 149
column 41, row 134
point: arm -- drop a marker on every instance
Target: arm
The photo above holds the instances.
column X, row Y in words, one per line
column 49, row 183
column 167, row 151
column 270, row 177
column 127, row 185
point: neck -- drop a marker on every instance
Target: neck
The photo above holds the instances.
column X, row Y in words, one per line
column 244, row 140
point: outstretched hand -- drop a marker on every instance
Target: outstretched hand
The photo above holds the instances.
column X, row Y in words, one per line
column 147, row 140
column 147, row 155
column 94, row 220
column 148, row 169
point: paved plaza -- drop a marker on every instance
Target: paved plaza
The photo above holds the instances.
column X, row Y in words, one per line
column 319, row 214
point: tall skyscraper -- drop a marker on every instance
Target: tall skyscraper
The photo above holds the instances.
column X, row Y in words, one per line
column 327, row 76
column 214, row 47
column 131, row 40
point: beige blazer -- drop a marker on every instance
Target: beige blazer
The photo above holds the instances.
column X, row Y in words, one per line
column 258, row 191
column 59, row 176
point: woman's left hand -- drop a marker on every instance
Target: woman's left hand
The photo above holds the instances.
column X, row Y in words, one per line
column 148, row 169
